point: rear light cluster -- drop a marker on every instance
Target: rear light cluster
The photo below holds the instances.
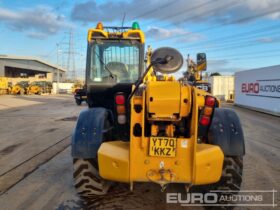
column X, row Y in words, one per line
column 120, row 106
column 205, row 118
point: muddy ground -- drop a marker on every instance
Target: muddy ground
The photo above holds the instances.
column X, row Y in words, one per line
column 36, row 166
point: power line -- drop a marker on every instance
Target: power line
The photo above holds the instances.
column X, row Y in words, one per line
column 205, row 14
column 71, row 68
column 195, row 17
column 232, row 42
column 240, row 46
column 254, row 57
column 140, row 4
column 249, row 44
column 252, row 53
column 153, row 10
column 184, row 11
column 248, row 18
column 51, row 52
column 234, row 36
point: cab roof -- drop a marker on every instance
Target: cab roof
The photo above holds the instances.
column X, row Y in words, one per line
column 112, row 32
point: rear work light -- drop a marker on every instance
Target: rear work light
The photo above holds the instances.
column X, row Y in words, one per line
column 121, row 119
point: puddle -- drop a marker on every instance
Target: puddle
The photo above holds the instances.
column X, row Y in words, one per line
column 9, row 149
column 73, row 118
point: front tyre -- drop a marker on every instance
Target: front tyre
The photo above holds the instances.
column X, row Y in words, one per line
column 87, row 180
column 78, row 102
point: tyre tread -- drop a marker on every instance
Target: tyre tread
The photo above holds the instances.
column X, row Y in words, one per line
column 87, row 180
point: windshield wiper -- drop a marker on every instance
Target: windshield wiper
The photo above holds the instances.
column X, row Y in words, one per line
column 111, row 74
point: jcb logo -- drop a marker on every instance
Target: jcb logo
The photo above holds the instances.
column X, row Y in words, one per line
column 203, row 87
column 250, row 88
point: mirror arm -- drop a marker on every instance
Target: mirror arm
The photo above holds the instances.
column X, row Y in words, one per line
column 164, row 60
column 139, row 82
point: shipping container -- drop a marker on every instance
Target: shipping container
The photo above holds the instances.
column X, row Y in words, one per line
column 259, row 89
column 222, row 87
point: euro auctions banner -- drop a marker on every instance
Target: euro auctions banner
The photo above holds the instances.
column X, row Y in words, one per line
column 259, row 89
column 262, row 88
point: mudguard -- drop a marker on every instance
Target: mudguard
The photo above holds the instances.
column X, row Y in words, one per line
column 88, row 134
column 226, row 132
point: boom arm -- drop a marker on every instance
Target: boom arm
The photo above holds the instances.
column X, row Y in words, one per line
column 192, row 71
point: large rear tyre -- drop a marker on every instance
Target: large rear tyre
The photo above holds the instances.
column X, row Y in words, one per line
column 87, row 181
column 230, row 182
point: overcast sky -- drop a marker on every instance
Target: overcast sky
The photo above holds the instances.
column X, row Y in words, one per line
column 235, row 34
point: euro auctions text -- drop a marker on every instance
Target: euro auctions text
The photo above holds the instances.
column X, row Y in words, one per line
column 262, row 198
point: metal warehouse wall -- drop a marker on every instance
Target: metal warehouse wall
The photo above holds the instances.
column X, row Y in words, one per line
column 259, row 89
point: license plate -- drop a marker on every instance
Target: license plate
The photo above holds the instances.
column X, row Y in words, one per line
column 84, row 97
column 162, row 146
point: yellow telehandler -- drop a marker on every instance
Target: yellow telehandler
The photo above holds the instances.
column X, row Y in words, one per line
column 4, row 86
column 20, row 88
column 142, row 125
column 39, row 87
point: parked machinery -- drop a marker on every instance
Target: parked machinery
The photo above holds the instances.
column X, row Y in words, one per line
column 5, row 86
column 40, row 87
column 20, row 88
column 80, row 95
column 77, row 85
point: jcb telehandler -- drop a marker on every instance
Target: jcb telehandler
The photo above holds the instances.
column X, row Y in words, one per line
column 5, row 86
column 39, row 87
column 143, row 125
column 20, row 88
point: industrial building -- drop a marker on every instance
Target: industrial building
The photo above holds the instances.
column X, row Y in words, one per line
column 222, row 87
column 259, row 89
column 18, row 68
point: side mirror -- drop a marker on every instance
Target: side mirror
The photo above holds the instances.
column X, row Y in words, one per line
column 167, row 60
column 201, row 61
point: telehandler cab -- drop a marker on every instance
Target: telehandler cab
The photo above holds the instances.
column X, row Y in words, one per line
column 142, row 125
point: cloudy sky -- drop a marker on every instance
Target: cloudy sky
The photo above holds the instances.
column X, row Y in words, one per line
column 235, row 34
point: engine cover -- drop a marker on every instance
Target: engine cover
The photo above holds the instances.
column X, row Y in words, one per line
column 167, row 100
